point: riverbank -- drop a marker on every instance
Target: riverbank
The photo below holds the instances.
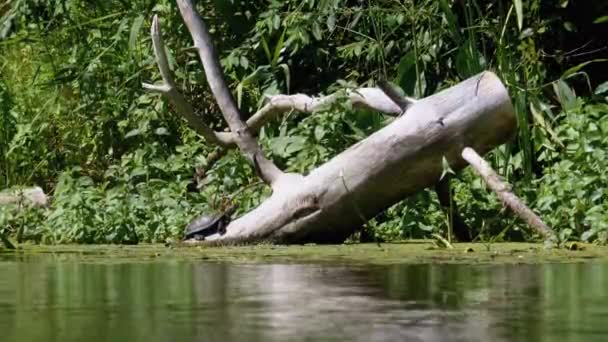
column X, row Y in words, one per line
column 414, row 252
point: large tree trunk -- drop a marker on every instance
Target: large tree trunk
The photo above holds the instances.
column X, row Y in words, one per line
column 335, row 199
column 399, row 160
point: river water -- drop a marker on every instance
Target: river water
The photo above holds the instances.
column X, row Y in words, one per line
column 66, row 299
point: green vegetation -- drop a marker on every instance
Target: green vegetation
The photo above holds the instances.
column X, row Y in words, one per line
column 75, row 120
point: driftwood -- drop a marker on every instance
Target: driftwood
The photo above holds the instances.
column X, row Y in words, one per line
column 34, row 196
column 21, row 198
column 335, row 199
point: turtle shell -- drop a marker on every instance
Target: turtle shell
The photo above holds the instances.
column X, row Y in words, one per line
column 203, row 226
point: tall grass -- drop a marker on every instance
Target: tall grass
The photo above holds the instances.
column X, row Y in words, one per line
column 7, row 130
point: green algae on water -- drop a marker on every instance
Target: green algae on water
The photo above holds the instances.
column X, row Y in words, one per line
column 414, row 252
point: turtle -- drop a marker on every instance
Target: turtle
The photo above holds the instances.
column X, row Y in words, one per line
column 206, row 225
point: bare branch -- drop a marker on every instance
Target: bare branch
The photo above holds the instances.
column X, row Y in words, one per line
column 368, row 98
column 502, row 190
column 243, row 137
column 183, row 107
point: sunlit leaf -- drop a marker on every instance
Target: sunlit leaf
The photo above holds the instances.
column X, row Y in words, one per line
column 569, row 26
column 601, row 20
column 135, row 28
column 319, row 133
column 331, row 22
column 564, row 94
column 287, row 75
column 278, row 49
column 602, row 88
column 161, row 131
column 446, row 169
column 576, row 68
column 296, row 144
column 133, row 133
column 520, row 13
column 316, row 31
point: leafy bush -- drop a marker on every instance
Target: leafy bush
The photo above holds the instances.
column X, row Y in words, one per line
column 572, row 193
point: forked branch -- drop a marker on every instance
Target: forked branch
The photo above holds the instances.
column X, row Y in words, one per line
column 368, row 98
column 244, row 139
column 182, row 106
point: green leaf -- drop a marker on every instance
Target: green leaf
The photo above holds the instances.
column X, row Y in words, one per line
column 161, row 131
column 601, row 20
column 135, row 31
column 520, row 13
column 355, row 20
column 446, row 169
column 542, row 123
column 266, row 50
column 244, row 62
column 406, row 73
column 285, row 146
column 277, row 49
column 331, row 22
column 138, row 171
column 296, row 144
column 287, row 74
column 316, row 31
column 569, row 26
column 602, row 88
column 587, row 235
column 239, row 94
column 319, row 133
column 576, row 68
column 170, row 58
column 133, row 133
column 565, row 95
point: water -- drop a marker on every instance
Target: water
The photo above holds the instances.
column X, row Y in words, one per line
column 63, row 299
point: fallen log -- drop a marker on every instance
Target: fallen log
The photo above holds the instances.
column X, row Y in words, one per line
column 335, row 199
column 399, row 160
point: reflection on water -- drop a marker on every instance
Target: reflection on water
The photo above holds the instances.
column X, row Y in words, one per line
column 44, row 299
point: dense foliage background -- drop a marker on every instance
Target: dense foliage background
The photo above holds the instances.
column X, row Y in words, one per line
column 75, row 120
